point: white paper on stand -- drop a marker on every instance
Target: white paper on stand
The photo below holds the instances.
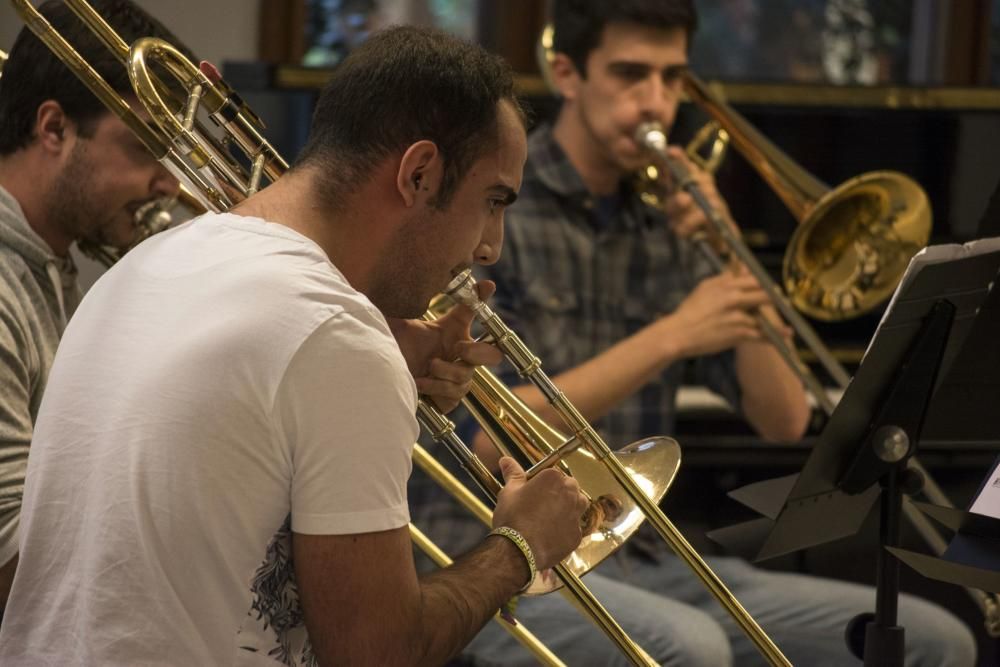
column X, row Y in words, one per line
column 936, row 254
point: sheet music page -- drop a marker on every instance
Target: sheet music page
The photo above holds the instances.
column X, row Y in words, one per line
column 936, row 254
column 987, row 502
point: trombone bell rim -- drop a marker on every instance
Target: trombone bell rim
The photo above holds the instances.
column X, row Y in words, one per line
column 850, row 251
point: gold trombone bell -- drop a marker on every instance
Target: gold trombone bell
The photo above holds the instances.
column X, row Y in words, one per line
column 613, row 516
column 853, row 242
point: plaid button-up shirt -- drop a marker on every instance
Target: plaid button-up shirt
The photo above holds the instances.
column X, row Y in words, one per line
column 577, row 275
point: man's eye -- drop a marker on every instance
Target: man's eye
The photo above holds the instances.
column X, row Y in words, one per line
column 673, row 74
column 630, row 73
column 138, row 152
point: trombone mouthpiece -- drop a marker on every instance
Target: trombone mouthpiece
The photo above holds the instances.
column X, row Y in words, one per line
column 152, row 217
column 462, row 289
column 651, row 135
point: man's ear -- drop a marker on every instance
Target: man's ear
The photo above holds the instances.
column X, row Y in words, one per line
column 420, row 172
column 52, row 126
column 565, row 76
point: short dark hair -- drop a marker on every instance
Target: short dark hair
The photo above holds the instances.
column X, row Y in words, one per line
column 579, row 24
column 32, row 74
column 403, row 85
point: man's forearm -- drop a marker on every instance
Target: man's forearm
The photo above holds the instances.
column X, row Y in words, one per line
column 458, row 600
column 599, row 384
column 773, row 398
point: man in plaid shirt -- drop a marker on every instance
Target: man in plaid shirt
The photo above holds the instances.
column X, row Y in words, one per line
column 614, row 298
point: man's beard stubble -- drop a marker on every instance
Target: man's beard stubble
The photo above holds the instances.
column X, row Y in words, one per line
column 399, row 286
column 71, row 201
column 77, row 205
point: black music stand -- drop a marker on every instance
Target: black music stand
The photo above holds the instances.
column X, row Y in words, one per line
column 972, row 558
column 989, row 222
column 862, row 453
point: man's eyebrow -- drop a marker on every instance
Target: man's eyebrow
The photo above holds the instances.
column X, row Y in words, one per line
column 677, row 68
column 509, row 195
column 628, row 63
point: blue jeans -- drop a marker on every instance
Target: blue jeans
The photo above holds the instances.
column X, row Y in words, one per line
column 668, row 612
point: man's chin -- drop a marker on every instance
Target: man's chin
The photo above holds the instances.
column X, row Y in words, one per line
column 111, row 238
column 397, row 309
column 632, row 161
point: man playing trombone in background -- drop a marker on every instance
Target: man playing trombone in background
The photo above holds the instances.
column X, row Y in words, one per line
column 613, row 296
column 218, row 474
column 70, row 171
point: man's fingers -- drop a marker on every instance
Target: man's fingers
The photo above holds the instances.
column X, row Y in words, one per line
column 512, row 471
column 749, row 333
column 457, row 321
column 747, row 299
column 445, row 395
column 685, row 224
column 451, row 371
column 436, row 387
column 459, row 318
column 478, row 354
column 485, row 289
column 738, row 328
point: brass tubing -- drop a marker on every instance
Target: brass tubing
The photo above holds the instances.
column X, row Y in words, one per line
column 686, row 552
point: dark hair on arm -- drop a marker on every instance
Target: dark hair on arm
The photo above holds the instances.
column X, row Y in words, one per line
column 32, row 74
column 579, row 24
column 406, row 84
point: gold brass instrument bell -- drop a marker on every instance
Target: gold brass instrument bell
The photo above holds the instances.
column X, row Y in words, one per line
column 853, row 242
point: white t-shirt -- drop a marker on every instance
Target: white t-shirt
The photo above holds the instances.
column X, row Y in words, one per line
column 222, row 378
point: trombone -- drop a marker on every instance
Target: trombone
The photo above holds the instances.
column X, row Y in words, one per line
column 847, row 255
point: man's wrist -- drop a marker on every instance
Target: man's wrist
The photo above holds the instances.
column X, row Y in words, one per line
column 669, row 339
column 528, row 556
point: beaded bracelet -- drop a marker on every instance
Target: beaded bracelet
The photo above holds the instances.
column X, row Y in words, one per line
column 525, row 548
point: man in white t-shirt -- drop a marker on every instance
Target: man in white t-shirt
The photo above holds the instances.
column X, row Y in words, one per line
column 218, row 474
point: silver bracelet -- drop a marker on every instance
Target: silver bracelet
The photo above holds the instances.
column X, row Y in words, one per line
column 525, row 549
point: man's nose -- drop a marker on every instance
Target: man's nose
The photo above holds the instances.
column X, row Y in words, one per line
column 164, row 183
column 659, row 100
column 490, row 245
